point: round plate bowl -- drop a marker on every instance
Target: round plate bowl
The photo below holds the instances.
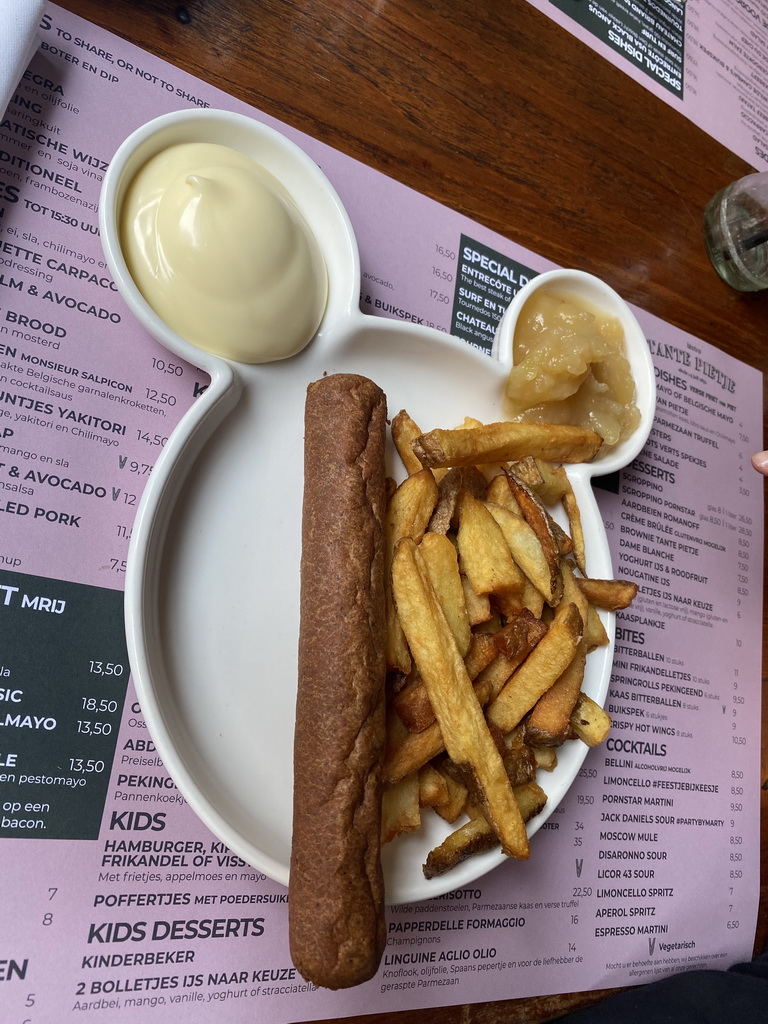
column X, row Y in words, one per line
column 598, row 295
column 211, row 591
column 301, row 178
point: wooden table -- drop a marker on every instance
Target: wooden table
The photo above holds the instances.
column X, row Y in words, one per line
column 499, row 113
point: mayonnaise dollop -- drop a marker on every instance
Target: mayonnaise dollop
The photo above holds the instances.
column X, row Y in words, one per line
column 222, row 254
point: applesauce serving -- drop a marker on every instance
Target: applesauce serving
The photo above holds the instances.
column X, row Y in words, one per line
column 570, row 366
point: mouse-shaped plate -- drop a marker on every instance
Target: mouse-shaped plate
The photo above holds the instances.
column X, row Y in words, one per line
column 212, row 585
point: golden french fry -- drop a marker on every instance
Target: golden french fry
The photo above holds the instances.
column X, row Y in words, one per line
column 517, row 638
column 442, row 565
column 485, row 556
column 482, row 651
column 413, row 753
column 572, row 591
column 554, row 482
column 490, row 681
column 548, row 482
column 455, row 794
column 405, row 430
column 546, row 663
column 546, row 758
column 473, row 837
column 408, row 512
column 500, row 493
column 400, row 808
column 518, row 756
column 433, row 787
column 467, row 738
column 400, row 811
column 477, row 836
column 412, row 702
column 589, row 721
column 415, row 749
column 542, row 571
column 540, row 522
column 489, row 469
column 506, row 442
column 456, row 803
column 449, row 490
column 609, row 594
column 398, row 655
column 549, row 723
column 512, row 638
column 594, row 630
column 478, row 605
column 452, row 485
column 563, row 541
column 595, row 634
column 531, row 799
column 410, row 508
column 527, row 471
column 533, row 600
column 577, row 532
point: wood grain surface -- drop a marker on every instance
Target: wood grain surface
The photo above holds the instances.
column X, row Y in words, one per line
column 491, row 108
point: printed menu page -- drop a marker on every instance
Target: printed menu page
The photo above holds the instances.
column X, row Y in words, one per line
column 706, row 58
column 119, row 903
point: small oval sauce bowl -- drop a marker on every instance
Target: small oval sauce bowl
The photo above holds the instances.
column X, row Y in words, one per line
column 596, row 295
column 299, row 179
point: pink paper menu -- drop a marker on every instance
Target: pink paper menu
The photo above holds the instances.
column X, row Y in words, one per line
column 119, row 904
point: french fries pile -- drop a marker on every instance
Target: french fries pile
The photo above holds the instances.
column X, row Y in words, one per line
column 490, row 618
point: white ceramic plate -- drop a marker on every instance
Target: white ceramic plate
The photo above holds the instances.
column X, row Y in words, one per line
column 213, row 571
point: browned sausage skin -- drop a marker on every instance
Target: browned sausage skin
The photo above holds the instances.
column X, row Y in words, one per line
column 336, row 890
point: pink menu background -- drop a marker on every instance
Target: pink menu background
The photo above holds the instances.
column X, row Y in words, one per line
column 526, row 929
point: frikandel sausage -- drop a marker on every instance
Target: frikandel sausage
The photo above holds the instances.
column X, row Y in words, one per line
column 336, row 888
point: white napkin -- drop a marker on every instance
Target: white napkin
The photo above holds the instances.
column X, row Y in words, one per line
column 19, row 20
